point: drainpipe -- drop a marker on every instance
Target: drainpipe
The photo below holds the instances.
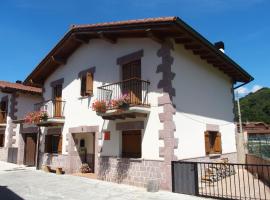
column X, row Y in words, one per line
column 37, row 149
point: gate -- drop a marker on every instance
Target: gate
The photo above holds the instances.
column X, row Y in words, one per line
column 221, row 180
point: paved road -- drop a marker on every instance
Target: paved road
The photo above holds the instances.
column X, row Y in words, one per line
column 19, row 182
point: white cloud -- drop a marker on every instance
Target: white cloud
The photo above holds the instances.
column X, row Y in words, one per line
column 243, row 91
column 255, row 88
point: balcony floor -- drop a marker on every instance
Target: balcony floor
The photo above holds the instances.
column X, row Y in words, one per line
column 132, row 112
column 52, row 122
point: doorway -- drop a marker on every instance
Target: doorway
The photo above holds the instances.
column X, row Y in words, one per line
column 132, row 85
column 30, row 149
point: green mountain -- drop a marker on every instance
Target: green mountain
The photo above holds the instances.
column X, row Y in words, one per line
column 255, row 107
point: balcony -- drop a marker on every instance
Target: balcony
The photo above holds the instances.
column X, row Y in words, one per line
column 135, row 94
column 55, row 111
column 3, row 118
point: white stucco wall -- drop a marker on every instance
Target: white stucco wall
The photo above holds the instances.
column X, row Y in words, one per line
column 202, row 94
column 8, row 118
column 103, row 55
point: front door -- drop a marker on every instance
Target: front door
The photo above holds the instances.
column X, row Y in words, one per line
column 57, row 97
column 30, row 149
column 131, row 76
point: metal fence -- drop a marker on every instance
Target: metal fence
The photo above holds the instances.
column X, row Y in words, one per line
column 221, row 180
column 136, row 91
column 259, row 146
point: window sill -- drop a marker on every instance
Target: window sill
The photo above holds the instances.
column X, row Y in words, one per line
column 85, row 97
column 130, row 159
column 214, row 155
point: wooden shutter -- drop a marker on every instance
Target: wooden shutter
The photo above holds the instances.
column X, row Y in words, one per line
column 207, row 143
column 59, row 147
column 131, row 144
column 217, row 146
column 89, row 83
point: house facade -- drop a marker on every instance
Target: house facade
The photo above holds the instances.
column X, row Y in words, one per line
column 129, row 97
column 16, row 100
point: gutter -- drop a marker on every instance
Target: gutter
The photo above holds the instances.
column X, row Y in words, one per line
column 243, row 84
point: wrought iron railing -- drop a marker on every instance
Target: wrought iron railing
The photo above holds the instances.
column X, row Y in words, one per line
column 222, row 180
column 54, row 108
column 3, row 117
column 134, row 90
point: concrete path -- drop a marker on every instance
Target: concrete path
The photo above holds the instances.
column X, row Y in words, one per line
column 18, row 182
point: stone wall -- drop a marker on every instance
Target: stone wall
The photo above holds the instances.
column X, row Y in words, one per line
column 69, row 163
column 3, row 154
column 131, row 171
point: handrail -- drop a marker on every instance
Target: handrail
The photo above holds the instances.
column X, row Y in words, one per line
column 47, row 101
column 135, row 78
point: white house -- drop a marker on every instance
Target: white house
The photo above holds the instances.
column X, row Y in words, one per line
column 16, row 100
column 168, row 93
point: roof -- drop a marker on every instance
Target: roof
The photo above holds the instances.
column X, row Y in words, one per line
column 9, row 87
column 255, row 127
column 155, row 28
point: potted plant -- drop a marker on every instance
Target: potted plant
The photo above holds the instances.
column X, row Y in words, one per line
column 99, row 106
column 36, row 117
column 122, row 102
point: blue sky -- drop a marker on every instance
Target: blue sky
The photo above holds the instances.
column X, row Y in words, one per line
column 30, row 28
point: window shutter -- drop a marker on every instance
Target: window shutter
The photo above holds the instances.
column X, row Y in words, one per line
column 207, row 143
column 89, row 83
column 59, row 147
column 217, row 146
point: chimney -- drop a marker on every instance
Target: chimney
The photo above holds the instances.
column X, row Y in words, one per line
column 18, row 81
column 220, row 46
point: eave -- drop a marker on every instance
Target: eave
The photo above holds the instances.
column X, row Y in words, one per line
column 171, row 27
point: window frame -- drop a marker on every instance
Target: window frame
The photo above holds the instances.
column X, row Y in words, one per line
column 127, row 133
column 54, row 146
column 87, row 84
column 213, row 142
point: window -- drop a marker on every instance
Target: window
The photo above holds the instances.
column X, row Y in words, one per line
column 131, row 144
column 2, row 140
column 82, row 143
column 53, row 144
column 87, row 84
column 212, row 142
column 3, row 111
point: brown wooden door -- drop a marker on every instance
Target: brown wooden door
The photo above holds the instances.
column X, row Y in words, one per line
column 57, row 96
column 30, row 149
column 131, row 143
column 132, row 87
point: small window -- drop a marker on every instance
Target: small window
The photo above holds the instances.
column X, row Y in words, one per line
column 131, row 144
column 87, row 84
column 3, row 112
column 2, row 140
column 82, row 143
column 53, row 144
column 212, row 142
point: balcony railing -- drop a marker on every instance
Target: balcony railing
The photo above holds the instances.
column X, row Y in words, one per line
column 3, row 117
column 135, row 89
column 54, row 108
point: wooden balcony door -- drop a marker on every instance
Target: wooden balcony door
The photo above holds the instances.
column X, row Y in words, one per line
column 131, row 75
column 30, row 149
column 57, row 100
